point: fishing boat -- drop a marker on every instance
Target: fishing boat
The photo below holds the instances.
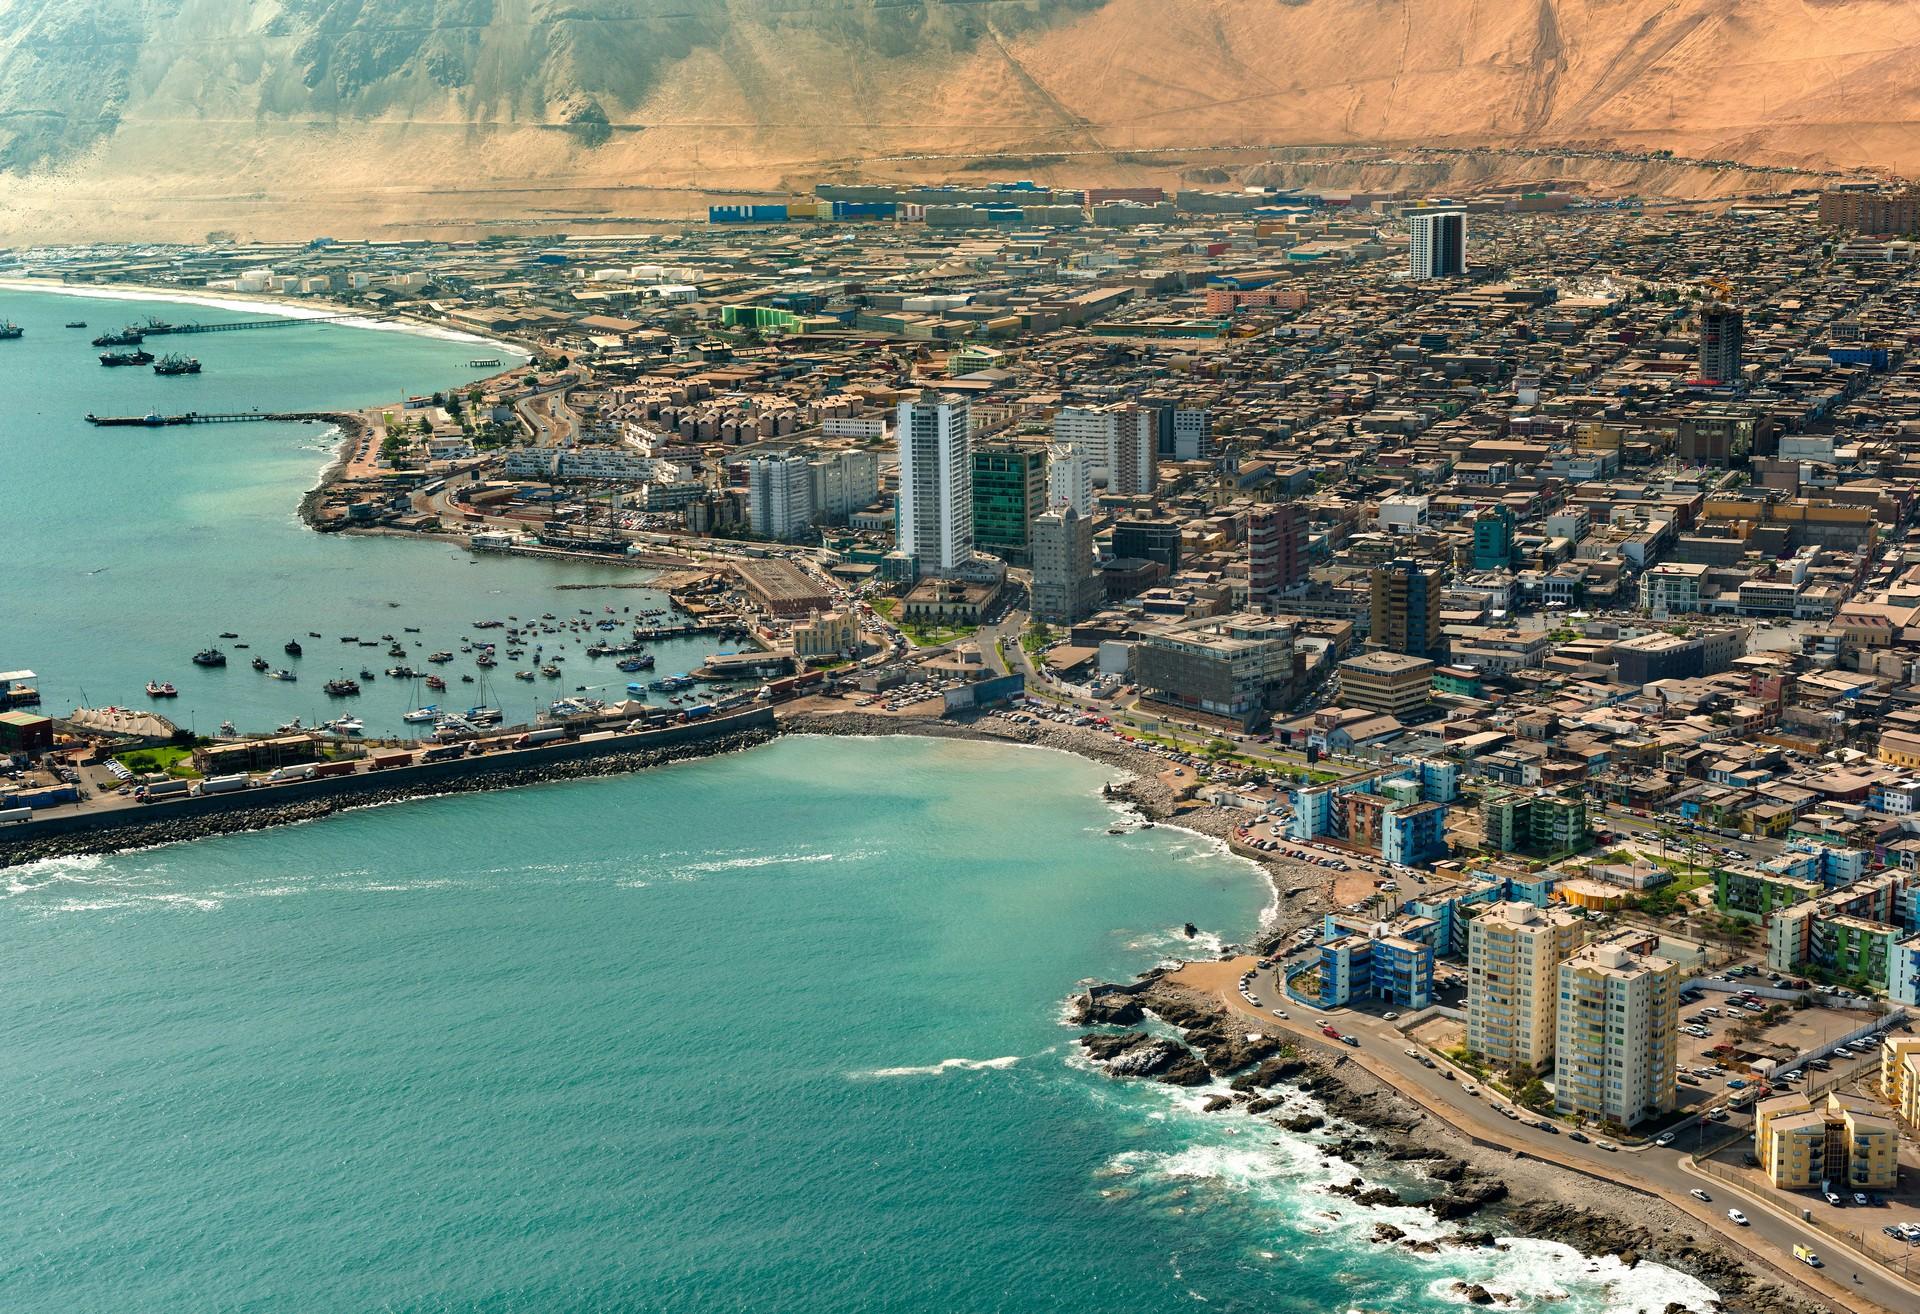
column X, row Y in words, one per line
column 135, row 357
column 161, row 689
column 551, row 671
column 485, row 659
column 282, row 675
column 435, row 683
column 76, row 323
column 440, row 657
column 341, row 687
column 292, row 648
column 421, row 715
column 367, row 673
column 168, row 365
column 523, row 675
column 209, row 657
column 259, row 664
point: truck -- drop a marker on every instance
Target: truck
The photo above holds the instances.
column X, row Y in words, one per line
column 381, row 761
column 1806, row 1256
column 698, row 711
column 165, row 789
column 1332, row 1033
column 15, row 816
column 329, row 769
column 443, row 752
column 546, row 735
column 224, row 784
column 280, row 775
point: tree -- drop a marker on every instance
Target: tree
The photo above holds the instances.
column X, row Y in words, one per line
column 1217, row 748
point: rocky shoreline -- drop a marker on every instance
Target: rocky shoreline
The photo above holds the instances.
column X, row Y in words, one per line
column 181, row 830
column 352, row 426
column 1457, row 1179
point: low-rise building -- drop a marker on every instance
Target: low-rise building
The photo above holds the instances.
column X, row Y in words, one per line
column 1839, row 1145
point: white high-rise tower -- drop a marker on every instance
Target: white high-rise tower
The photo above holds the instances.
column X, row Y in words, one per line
column 935, row 514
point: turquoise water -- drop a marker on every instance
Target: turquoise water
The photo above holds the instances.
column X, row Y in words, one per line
column 128, row 550
column 581, row 1047
column 773, row 1032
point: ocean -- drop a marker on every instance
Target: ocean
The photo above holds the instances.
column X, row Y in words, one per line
column 777, row 1031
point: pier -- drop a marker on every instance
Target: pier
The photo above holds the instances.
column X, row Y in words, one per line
column 235, row 326
column 158, row 421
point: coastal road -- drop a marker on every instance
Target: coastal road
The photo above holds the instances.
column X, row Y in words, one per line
column 1663, row 1172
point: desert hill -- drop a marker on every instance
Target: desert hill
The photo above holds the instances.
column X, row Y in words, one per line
column 122, row 118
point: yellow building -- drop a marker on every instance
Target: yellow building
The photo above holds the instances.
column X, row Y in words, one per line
column 1514, row 952
column 1843, row 1144
column 826, row 634
column 1900, row 1077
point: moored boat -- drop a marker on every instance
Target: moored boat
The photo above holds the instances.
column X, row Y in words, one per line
column 209, row 657
column 161, row 689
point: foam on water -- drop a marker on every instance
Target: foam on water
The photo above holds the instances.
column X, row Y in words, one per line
column 945, row 1066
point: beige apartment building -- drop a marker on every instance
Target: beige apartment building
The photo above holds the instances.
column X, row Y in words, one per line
column 1514, row 951
column 1842, row 1145
column 1618, row 1034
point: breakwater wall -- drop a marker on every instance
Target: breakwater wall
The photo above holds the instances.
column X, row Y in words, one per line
column 106, row 829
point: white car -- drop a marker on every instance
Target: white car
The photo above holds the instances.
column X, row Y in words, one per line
column 1739, row 1219
column 1700, row 1195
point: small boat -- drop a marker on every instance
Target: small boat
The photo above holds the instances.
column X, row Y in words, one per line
column 466, row 679
column 292, row 648
column 291, row 727
column 366, row 673
column 484, row 659
column 523, row 675
column 349, row 638
column 282, row 675
column 313, row 634
column 161, row 689
column 227, row 730
column 411, row 629
column 435, row 682
column 484, row 715
column 440, row 657
column 345, row 725
column 259, row 663
column 76, row 323
column 209, row 657
column 229, row 634
column 551, row 671
column 397, row 650
column 341, row 687
column 421, row 715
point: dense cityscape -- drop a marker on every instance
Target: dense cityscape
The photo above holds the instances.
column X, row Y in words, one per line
column 1529, row 581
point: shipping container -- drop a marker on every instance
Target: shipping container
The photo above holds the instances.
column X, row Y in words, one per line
column 224, row 784
column 165, row 789
column 381, row 761
column 695, row 713
column 329, row 769
column 546, row 736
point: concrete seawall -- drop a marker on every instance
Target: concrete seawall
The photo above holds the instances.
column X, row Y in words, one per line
column 100, row 830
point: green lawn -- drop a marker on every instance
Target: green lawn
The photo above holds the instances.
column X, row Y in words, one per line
column 175, row 761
